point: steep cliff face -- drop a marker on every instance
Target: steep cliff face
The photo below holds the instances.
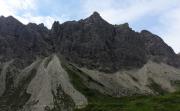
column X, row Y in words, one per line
column 22, row 42
column 66, row 67
column 158, row 50
column 90, row 42
column 96, row 44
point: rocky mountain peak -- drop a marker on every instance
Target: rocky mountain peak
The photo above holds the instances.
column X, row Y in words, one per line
column 55, row 28
column 156, row 45
column 124, row 26
column 55, row 24
column 9, row 20
column 40, row 27
column 96, row 15
column 10, row 25
column 95, row 18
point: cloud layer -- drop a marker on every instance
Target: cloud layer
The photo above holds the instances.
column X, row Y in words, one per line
column 159, row 16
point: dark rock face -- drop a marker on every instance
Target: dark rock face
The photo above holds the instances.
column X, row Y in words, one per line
column 155, row 45
column 94, row 43
column 91, row 43
column 158, row 50
column 18, row 41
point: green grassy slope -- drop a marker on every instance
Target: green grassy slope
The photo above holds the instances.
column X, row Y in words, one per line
column 100, row 102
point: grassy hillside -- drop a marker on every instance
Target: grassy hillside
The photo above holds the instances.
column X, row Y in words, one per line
column 100, row 102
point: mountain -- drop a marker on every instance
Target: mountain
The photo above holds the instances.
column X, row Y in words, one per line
column 67, row 67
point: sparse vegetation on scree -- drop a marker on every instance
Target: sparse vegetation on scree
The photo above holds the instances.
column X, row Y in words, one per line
column 100, row 102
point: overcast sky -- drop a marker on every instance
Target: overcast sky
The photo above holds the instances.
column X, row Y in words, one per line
column 161, row 17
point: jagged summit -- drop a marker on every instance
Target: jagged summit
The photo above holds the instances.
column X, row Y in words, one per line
column 10, row 25
column 38, row 27
column 95, row 15
column 34, row 24
column 95, row 18
column 55, row 27
column 56, row 23
column 9, row 19
column 123, row 26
